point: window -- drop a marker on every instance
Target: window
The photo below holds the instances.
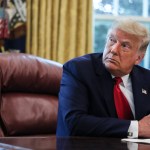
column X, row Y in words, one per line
column 105, row 11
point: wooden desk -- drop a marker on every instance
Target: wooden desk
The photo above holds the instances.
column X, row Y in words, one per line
column 72, row 143
column 35, row 143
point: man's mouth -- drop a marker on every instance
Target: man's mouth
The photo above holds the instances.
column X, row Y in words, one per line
column 111, row 60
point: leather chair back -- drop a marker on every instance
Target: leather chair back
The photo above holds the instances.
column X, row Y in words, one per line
column 29, row 87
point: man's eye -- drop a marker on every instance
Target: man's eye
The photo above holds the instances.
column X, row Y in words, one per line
column 111, row 39
column 125, row 45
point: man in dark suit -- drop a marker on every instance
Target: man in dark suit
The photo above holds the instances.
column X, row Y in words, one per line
column 86, row 99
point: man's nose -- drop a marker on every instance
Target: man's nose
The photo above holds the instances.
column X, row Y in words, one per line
column 115, row 48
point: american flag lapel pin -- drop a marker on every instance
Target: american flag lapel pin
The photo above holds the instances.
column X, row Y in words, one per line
column 144, row 91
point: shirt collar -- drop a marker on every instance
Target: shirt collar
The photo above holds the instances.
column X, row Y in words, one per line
column 125, row 80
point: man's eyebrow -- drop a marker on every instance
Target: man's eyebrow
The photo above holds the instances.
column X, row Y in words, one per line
column 126, row 41
column 111, row 35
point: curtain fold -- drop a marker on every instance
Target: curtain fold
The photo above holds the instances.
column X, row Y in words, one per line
column 59, row 29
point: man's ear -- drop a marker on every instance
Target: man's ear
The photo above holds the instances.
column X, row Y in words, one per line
column 139, row 58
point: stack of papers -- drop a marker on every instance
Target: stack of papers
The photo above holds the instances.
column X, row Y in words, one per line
column 147, row 141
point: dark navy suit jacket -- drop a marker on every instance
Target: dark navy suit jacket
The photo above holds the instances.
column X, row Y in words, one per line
column 86, row 104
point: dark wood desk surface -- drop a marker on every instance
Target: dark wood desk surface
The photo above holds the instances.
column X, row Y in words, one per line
column 71, row 143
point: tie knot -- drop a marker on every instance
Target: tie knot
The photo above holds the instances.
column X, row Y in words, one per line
column 118, row 80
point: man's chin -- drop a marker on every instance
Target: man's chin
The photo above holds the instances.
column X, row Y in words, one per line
column 111, row 66
column 114, row 70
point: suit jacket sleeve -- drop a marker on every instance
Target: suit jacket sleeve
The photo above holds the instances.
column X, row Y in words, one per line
column 77, row 100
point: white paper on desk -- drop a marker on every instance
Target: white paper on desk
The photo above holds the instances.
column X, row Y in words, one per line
column 136, row 140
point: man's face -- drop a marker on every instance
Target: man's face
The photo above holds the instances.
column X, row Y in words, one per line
column 121, row 52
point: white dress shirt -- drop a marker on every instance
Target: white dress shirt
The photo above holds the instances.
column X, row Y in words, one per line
column 126, row 88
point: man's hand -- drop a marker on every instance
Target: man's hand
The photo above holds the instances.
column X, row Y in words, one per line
column 144, row 127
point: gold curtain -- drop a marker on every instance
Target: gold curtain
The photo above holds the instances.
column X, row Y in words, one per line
column 59, row 29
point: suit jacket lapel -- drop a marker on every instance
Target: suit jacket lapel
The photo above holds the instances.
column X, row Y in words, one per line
column 107, row 83
column 140, row 93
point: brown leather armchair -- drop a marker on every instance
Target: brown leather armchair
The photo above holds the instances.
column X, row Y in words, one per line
column 29, row 87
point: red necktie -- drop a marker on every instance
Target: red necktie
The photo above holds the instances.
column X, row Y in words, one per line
column 121, row 103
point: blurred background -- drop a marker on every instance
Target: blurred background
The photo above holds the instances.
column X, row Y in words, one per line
column 63, row 29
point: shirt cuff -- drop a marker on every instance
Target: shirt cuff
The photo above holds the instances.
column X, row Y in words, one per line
column 133, row 130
